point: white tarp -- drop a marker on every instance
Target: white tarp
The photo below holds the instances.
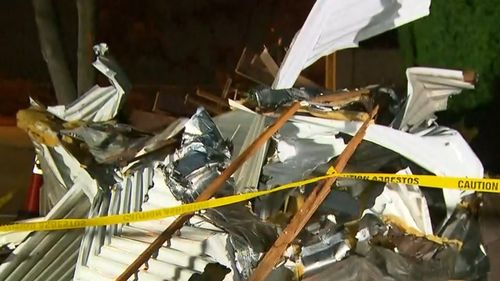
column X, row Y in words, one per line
column 339, row 24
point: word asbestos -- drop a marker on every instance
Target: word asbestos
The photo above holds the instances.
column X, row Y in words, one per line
column 392, row 179
column 481, row 185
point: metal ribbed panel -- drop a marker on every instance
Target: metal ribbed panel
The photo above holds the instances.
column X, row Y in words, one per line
column 35, row 257
column 185, row 255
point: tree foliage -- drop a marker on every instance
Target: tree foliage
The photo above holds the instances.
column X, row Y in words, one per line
column 458, row 34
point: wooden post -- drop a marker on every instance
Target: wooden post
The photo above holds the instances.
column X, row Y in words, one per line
column 331, row 71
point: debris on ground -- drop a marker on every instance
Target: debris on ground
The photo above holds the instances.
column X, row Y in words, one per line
column 94, row 166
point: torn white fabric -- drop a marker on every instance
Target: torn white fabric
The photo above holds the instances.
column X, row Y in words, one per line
column 428, row 92
column 99, row 104
column 335, row 24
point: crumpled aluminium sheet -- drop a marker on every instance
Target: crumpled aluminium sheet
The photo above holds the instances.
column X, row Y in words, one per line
column 323, row 246
column 56, row 175
column 353, row 268
column 472, row 262
column 200, row 159
column 106, row 251
column 335, row 24
column 61, row 171
column 49, row 255
column 163, row 137
column 242, row 128
column 372, row 254
column 400, row 267
column 300, row 149
column 99, row 104
column 384, row 252
column 249, row 236
column 350, row 196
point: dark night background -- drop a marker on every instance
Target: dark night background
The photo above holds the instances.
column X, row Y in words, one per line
column 172, row 47
column 184, row 44
column 156, row 42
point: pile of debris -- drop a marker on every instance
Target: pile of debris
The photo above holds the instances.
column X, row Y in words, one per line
column 342, row 229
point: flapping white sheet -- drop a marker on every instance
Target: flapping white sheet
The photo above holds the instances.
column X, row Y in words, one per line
column 339, row 24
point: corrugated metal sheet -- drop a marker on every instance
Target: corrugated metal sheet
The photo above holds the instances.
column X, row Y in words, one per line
column 244, row 127
column 49, row 255
column 102, row 253
column 107, row 251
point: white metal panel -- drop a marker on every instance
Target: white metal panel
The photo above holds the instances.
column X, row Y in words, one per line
column 337, row 24
column 444, row 153
column 428, row 92
column 99, row 104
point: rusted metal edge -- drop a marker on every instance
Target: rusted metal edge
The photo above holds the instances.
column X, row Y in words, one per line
column 317, row 196
column 208, row 192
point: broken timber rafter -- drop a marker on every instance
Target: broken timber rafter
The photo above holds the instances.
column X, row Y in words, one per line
column 317, row 196
column 341, row 96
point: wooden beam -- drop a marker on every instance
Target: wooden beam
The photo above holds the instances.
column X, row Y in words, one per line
column 209, row 191
column 341, row 96
column 222, row 102
column 317, row 196
column 210, row 107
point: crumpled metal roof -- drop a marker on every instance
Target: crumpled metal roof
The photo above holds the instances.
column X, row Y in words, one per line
column 98, row 104
column 456, row 158
column 49, row 255
column 428, row 92
column 106, row 251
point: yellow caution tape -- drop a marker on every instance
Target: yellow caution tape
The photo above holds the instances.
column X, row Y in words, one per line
column 474, row 184
column 61, row 224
